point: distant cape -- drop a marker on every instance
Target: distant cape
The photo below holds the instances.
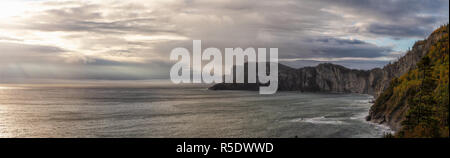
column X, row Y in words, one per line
column 333, row 78
column 329, row 77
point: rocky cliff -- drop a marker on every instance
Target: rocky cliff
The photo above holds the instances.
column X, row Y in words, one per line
column 397, row 95
column 404, row 64
column 335, row 78
column 332, row 78
column 322, row 78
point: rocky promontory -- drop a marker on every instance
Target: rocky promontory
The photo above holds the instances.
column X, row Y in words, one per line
column 329, row 77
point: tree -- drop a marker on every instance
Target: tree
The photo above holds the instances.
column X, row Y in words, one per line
column 420, row 119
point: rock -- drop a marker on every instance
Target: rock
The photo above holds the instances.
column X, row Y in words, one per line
column 385, row 112
column 335, row 78
column 329, row 77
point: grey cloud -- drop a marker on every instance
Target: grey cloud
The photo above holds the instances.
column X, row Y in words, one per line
column 352, row 64
column 86, row 17
column 115, row 27
column 95, row 69
column 17, row 48
column 398, row 30
column 400, row 18
column 340, row 41
column 299, row 28
column 329, row 47
column 392, row 9
column 83, row 72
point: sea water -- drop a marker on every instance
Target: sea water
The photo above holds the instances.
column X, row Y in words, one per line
column 180, row 111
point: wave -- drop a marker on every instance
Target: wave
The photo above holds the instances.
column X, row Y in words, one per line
column 381, row 128
column 319, row 120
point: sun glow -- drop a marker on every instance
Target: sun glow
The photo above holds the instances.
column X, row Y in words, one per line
column 1, row 88
column 11, row 9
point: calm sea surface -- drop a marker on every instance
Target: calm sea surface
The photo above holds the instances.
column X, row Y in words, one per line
column 169, row 111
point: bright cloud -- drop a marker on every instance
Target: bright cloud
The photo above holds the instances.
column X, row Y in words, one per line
column 112, row 39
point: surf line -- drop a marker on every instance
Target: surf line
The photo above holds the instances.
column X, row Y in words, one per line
column 187, row 148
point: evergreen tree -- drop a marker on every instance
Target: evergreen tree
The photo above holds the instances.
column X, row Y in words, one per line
column 420, row 120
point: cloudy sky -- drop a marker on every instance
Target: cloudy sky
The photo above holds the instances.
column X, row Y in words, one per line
column 132, row 40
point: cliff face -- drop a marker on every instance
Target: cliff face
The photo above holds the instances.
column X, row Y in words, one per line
column 335, row 78
column 398, row 94
column 326, row 78
column 322, row 78
column 404, row 64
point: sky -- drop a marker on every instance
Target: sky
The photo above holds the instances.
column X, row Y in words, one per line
column 132, row 40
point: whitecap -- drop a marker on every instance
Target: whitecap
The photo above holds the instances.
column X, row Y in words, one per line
column 319, row 120
column 360, row 116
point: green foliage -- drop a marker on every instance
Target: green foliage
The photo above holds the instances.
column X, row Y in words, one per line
column 425, row 91
column 388, row 135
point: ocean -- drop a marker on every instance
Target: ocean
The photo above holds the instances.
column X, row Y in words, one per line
column 162, row 111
